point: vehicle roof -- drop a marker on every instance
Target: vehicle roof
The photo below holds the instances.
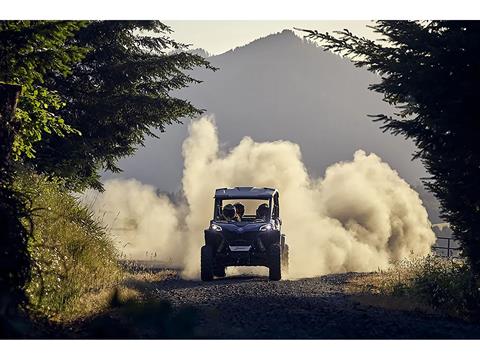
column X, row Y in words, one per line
column 245, row 192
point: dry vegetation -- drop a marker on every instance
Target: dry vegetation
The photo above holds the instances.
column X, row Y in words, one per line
column 133, row 288
column 431, row 284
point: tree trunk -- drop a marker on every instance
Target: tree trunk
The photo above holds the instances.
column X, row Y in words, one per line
column 14, row 257
column 8, row 102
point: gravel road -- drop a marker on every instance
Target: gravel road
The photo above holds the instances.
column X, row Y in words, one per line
column 252, row 307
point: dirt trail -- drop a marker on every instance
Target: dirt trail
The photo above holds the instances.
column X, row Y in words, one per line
column 253, row 307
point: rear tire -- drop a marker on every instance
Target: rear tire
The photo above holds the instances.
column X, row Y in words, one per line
column 219, row 271
column 274, row 262
column 285, row 258
column 206, row 263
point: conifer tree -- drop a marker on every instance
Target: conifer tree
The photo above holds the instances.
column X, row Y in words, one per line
column 430, row 71
column 116, row 96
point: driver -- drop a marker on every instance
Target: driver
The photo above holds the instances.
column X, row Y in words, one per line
column 262, row 212
column 240, row 210
column 229, row 213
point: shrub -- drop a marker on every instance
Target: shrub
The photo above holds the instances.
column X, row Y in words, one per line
column 72, row 254
column 443, row 284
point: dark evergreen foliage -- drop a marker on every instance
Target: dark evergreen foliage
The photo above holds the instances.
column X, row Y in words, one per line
column 115, row 97
column 431, row 72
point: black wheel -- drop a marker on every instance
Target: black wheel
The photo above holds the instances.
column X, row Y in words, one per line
column 275, row 262
column 285, row 258
column 219, row 271
column 206, row 263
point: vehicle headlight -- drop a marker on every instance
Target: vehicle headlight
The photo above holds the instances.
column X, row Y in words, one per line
column 215, row 227
column 266, row 227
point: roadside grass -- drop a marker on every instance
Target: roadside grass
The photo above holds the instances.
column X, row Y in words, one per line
column 132, row 288
column 74, row 261
column 431, row 284
column 80, row 286
column 133, row 311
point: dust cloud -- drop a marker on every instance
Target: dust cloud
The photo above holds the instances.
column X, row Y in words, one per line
column 359, row 217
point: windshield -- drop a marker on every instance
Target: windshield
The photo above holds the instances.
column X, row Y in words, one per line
column 254, row 210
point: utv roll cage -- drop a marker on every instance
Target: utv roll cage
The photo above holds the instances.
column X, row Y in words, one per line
column 244, row 193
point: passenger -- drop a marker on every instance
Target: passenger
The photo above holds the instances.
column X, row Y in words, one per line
column 262, row 212
column 229, row 213
column 240, row 210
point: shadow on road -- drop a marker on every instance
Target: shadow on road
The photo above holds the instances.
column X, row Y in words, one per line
column 250, row 306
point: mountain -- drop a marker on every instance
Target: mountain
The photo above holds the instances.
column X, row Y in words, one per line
column 201, row 52
column 281, row 87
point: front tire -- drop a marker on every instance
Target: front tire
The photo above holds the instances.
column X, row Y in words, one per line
column 206, row 263
column 275, row 262
column 219, row 271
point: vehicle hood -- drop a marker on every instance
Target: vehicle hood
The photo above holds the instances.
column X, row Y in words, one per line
column 241, row 227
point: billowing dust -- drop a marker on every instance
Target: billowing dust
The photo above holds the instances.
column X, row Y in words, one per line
column 360, row 216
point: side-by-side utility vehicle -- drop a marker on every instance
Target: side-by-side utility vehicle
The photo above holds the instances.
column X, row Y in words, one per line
column 245, row 231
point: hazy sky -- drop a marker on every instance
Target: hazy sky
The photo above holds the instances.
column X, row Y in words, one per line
column 217, row 37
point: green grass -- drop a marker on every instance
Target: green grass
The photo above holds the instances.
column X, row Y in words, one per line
column 73, row 258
